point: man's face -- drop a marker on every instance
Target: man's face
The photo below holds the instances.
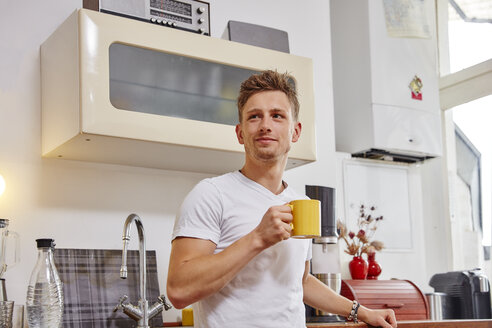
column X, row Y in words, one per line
column 267, row 129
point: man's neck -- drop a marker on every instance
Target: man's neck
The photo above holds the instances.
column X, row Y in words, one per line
column 266, row 174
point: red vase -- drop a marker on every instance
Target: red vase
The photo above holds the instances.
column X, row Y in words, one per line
column 374, row 269
column 358, row 268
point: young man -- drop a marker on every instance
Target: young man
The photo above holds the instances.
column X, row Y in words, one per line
column 232, row 255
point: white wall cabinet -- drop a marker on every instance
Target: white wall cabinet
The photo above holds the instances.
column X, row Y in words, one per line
column 372, row 71
column 122, row 91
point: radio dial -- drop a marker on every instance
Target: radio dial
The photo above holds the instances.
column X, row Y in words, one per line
column 201, row 20
column 153, row 20
column 174, row 24
column 159, row 21
column 200, row 10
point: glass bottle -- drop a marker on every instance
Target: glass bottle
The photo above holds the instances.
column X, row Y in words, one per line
column 44, row 302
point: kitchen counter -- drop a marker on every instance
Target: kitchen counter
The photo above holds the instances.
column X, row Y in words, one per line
column 483, row 323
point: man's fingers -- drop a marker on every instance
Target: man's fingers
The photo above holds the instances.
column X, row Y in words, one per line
column 392, row 318
column 285, row 216
column 285, row 208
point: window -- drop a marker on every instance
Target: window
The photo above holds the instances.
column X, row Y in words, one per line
column 470, row 32
column 466, row 82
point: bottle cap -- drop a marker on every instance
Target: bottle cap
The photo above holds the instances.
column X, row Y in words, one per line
column 46, row 242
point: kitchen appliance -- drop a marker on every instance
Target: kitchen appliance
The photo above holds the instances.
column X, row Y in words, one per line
column 325, row 264
column 187, row 15
column 326, row 196
column 468, row 293
column 381, row 116
column 8, row 240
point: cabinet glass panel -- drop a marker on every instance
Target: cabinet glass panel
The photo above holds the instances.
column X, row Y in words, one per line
column 154, row 82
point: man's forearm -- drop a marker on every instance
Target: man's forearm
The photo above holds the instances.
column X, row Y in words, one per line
column 320, row 296
column 193, row 279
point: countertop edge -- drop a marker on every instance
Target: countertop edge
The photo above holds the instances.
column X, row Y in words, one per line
column 466, row 323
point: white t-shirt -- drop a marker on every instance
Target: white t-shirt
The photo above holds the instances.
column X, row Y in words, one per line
column 267, row 292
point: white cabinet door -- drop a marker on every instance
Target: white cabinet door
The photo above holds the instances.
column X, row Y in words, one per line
column 387, row 188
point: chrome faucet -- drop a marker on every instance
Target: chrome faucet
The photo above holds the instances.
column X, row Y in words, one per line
column 141, row 313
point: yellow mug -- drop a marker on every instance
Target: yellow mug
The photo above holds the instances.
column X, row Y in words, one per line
column 306, row 222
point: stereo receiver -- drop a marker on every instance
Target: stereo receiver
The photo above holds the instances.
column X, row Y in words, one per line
column 188, row 15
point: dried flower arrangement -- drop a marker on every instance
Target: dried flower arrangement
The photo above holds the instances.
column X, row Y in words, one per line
column 360, row 243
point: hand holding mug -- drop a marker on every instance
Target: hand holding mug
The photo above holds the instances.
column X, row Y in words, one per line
column 275, row 225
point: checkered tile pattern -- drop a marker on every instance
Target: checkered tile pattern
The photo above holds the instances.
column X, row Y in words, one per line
column 92, row 287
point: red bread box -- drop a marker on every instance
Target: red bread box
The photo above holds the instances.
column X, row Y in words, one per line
column 403, row 296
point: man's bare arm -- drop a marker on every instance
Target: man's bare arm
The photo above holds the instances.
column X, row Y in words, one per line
column 196, row 272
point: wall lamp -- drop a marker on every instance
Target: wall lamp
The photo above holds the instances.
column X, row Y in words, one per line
column 2, row 185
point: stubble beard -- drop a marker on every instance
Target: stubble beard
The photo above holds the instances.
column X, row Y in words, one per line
column 263, row 154
column 269, row 154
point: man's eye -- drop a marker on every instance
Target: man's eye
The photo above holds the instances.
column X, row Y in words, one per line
column 253, row 117
column 277, row 116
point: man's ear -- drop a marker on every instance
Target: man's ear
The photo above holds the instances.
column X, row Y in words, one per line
column 239, row 134
column 297, row 131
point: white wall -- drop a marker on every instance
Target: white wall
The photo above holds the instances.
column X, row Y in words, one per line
column 83, row 205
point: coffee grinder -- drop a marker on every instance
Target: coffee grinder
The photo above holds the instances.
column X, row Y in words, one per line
column 325, row 264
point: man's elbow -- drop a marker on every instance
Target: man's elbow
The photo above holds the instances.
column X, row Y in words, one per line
column 177, row 296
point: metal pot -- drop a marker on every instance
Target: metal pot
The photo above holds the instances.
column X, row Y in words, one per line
column 332, row 280
column 437, row 305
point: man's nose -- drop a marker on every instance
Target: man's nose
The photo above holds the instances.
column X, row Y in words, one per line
column 265, row 125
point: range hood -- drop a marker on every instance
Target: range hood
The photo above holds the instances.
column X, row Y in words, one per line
column 384, row 155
